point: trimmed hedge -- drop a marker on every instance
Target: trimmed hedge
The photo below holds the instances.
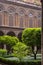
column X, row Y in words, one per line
column 32, row 36
column 13, row 62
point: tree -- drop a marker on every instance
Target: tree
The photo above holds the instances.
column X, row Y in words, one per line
column 21, row 50
column 9, row 41
column 32, row 37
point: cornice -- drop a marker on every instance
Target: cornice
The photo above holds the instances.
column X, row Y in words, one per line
column 26, row 5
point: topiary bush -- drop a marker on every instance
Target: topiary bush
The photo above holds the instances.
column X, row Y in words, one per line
column 32, row 37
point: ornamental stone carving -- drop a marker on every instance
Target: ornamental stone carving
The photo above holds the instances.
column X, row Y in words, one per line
column 31, row 13
column 2, row 8
column 11, row 9
column 21, row 11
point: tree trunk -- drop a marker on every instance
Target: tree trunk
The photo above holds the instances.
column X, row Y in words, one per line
column 34, row 52
column 4, row 46
column 35, row 56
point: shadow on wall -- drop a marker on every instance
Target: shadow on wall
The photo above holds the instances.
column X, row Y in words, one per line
column 1, row 33
column 11, row 33
column 20, row 36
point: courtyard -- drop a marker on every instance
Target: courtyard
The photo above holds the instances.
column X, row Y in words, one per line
column 20, row 32
column 25, row 50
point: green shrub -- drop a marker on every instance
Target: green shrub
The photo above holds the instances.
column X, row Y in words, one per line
column 17, row 62
column 16, row 39
column 3, row 52
column 8, row 41
column 32, row 37
column 8, row 56
column 2, row 39
column 21, row 50
column 38, row 55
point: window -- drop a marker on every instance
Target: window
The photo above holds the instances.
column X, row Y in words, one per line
column 39, row 23
column 30, row 22
column 21, row 21
column 0, row 19
column 39, row 15
column 10, row 20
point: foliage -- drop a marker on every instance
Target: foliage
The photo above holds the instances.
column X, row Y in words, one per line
column 8, row 56
column 16, row 39
column 21, row 50
column 2, row 39
column 17, row 62
column 38, row 37
column 3, row 52
column 8, row 40
column 32, row 36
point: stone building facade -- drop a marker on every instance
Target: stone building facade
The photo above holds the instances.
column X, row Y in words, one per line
column 16, row 16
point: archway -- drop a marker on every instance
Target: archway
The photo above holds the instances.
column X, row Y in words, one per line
column 20, row 36
column 1, row 34
column 11, row 33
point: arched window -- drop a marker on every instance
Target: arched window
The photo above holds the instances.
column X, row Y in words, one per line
column 39, row 19
column 11, row 11
column 31, row 14
column 10, row 20
column 21, row 14
column 39, row 15
column 1, row 9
